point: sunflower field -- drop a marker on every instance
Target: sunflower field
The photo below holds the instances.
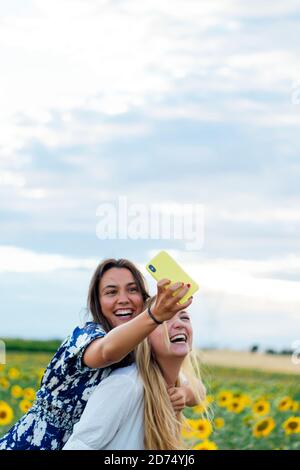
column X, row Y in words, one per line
column 244, row 409
column 19, row 380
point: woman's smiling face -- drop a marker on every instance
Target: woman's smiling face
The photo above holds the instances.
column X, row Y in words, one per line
column 179, row 340
column 119, row 296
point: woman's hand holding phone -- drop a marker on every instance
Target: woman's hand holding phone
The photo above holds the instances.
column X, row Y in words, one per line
column 166, row 304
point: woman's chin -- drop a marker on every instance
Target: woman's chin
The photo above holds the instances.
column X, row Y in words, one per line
column 121, row 320
column 179, row 349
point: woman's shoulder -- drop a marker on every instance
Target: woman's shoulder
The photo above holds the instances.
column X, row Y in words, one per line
column 82, row 333
column 129, row 372
column 88, row 328
column 67, row 360
column 71, row 351
column 122, row 386
column 127, row 377
column 82, row 336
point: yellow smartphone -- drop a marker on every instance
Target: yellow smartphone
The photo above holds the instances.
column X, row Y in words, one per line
column 163, row 266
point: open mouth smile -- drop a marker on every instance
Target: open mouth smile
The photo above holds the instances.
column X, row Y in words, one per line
column 179, row 338
column 124, row 312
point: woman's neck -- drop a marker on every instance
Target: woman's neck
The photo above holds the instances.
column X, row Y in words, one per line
column 170, row 369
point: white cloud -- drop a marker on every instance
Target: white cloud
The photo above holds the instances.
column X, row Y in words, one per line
column 187, row 111
column 9, row 178
column 262, row 9
column 34, row 193
column 19, row 260
column 280, row 214
column 234, row 277
column 234, row 282
column 238, row 304
column 116, row 57
column 243, row 278
column 254, row 112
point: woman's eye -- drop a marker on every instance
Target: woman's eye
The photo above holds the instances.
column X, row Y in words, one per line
column 185, row 318
column 111, row 292
column 133, row 289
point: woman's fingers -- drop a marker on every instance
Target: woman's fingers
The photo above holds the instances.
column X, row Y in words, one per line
column 168, row 297
column 186, row 304
column 181, row 293
column 170, row 291
column 166, row 291
column 176, row 286
column 178, row 402
column 177, row 307
column 162, row 284
column 178, row 408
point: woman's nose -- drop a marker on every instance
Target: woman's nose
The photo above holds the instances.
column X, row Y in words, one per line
column 178, row 323
column 123, row 297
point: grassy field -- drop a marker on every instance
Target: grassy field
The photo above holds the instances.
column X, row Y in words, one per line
column 248, row 360
column 246, row 409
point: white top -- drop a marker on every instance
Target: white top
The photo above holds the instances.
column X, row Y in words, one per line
column 113, row 418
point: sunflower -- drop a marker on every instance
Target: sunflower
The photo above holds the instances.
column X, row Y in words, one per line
column 264, row 427
column 187, row 430
column 29, row 393
column 295, row 406
column 4, row 383
column 261, row 407
column 247, row 400
column 292, row 425
column 285, row 404
column 224, row 397
column 236, row 405
column 203, row 407
column 219, row 423
column 200, row 409
column 209, row 399
column 16, row 391
column 202, row 427
column 206, row 445
column 13, row 373
column 6, row 414
column 25, row 405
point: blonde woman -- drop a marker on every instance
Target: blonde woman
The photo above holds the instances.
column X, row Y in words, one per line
column 131, row 409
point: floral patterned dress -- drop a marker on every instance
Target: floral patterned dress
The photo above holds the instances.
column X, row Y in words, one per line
column 65, row 389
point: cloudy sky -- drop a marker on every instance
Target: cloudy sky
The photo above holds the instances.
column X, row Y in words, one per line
column 186, row 102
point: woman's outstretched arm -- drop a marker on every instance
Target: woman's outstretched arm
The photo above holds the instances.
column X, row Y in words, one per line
column 121, row 340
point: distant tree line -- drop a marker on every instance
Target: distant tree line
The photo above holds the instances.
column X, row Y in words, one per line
column 287, row 352
column 28, row 345
column 50, row 346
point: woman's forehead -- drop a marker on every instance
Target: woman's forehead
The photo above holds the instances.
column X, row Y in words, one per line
column 178, row 315
column 117, row 275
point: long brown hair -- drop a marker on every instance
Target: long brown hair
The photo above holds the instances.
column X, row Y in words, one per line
column 93, row 301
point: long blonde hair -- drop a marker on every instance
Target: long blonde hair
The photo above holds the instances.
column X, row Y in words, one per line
column 162, row 427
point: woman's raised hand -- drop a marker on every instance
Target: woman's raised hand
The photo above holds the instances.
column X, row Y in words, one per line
column 166, row 304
